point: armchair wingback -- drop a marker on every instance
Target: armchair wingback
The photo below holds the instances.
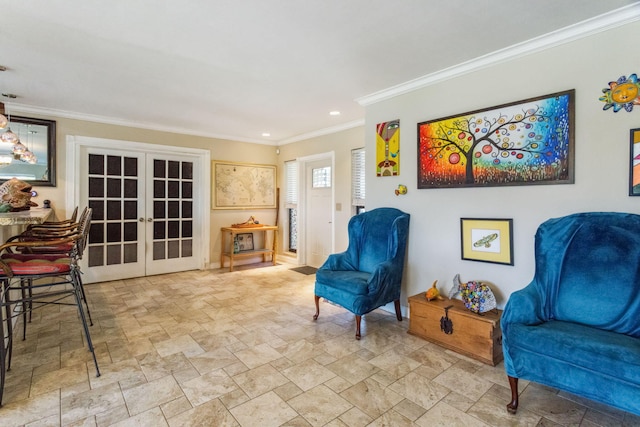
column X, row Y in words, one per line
column 576, row 326
column 369, row 273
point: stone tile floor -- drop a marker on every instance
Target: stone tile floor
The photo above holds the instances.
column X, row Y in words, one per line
column 213, row 348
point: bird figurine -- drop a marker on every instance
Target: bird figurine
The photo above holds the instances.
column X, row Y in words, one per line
column 433, row 292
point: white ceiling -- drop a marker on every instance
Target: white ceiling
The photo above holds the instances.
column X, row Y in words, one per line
column 234, row 69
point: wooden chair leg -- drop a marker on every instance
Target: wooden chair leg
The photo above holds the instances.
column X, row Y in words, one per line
column 358, row 319
column 512, row 407
column 315, row 316
column 398, row 311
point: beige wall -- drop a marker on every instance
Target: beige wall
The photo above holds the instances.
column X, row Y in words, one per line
column 601, row 158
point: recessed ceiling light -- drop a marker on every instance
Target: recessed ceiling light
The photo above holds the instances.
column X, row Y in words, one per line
column 265, row 134
column 334, row 113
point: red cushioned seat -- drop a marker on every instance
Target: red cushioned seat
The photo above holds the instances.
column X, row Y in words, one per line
column 37, row 266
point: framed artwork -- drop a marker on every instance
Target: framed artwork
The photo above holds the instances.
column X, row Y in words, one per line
column 634, row 168
column 243, row 185
column 521, row 143
column 245, row 241
column 39, row 137
column 487, row 240
column 388, row 148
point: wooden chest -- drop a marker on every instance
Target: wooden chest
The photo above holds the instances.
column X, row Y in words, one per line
column 474, row 335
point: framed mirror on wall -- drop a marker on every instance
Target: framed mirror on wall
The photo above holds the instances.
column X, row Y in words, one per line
column 39, row 137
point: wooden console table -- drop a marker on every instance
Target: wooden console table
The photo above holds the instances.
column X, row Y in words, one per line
column 233, row 231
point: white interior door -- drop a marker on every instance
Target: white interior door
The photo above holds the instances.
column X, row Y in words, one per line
column 170, row 219
column 144, row 218
column 319, row 212
column 112, row 184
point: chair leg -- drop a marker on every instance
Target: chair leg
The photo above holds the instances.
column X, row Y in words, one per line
column 84, row 296
column 3, row 357
column 398, row 311
column 358, row 319
column 512, row 407
column 315, row 316
column 8, row 338
column 77, row 293
column 23, row 308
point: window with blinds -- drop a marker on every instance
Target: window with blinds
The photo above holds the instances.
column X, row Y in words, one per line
column 291, row 169
column 358, row 180
column 291, row 204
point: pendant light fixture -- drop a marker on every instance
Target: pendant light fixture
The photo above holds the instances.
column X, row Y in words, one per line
column 8, row 136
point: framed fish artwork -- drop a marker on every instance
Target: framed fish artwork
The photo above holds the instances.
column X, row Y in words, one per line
column 634, row 167
column 487, row 240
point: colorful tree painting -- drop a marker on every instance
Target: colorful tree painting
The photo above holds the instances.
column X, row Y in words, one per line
column 528, row 142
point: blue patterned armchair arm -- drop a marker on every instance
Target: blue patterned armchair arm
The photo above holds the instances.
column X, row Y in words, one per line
column 339, row 261
column 385, row 279
column 526, row 308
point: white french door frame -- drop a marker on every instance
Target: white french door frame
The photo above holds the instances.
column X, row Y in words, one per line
column 74, row 145
column 302, row 202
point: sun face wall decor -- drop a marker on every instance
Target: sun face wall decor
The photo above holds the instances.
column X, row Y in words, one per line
column 388, row 148
column 624, row 93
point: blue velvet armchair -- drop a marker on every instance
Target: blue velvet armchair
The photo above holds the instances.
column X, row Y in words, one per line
column 576, row 326
column 368, row 274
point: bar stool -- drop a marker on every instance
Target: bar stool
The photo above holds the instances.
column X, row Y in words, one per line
column 53, row 278
column 51, row 252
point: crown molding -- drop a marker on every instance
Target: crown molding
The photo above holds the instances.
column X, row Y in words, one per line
column 30, row 109
column 604, row 22
column 321, row 132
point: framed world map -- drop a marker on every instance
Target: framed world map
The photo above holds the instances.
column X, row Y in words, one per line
column 243, row 185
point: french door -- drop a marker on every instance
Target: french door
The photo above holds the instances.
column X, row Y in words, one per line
column 146, row 212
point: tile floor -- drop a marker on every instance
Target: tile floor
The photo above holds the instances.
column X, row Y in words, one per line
column 213, row 348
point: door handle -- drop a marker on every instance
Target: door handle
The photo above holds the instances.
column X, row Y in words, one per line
column 141, row 219
column 149, row 219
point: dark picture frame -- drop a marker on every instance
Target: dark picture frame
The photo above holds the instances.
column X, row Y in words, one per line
column 634, row 162
column 487, row 240
column 245, row 241
column 39, row 136
column 526, row 142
